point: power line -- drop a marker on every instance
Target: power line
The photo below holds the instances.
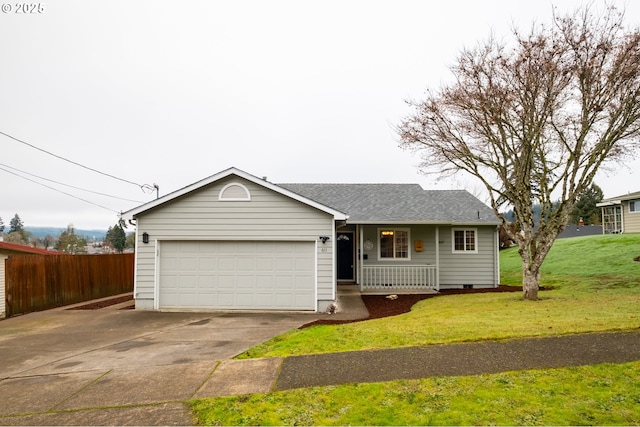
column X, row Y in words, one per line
column 59, row 191
column 143, row 187
column 66, row 185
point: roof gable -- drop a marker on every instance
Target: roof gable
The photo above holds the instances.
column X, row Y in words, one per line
column 132, row 213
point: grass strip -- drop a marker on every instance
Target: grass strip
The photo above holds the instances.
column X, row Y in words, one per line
column 606, row 394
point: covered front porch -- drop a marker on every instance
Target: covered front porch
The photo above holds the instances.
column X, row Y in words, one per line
column 382, row 259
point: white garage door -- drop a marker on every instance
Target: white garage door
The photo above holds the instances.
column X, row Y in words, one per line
column 237, row 275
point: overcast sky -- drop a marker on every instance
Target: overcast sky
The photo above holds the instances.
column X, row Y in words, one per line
column 168, row 93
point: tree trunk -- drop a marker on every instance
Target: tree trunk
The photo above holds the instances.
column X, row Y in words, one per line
column 530, row 282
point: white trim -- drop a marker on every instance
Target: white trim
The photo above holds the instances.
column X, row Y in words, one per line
column 360, row 252
column 496, row 257
column 135, row 264
column 608, row 203
column 132, row 213
column 464, row 251
column 315, row 278
column 616, row 209
column 437, row 238
column 234, row 199
column 156, row 276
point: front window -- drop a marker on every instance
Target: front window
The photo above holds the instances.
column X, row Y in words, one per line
column 464, row 240
column 394, row 243
column 634, row 206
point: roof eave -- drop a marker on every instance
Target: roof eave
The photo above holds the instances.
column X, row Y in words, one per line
column 133, row 213
column 608, row 203
column 446, row 223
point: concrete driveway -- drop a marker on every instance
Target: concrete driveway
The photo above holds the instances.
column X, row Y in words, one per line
column 122, row 367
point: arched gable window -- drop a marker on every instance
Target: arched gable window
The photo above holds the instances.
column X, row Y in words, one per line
column 234, row 192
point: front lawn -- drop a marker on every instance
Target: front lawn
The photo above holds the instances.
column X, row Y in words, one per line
column 596, row 287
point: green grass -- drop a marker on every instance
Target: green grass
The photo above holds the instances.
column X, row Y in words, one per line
column 592, row 262
column 596, row 287
column 591, row 395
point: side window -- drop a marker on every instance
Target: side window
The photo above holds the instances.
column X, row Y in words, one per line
column 465, row 240
column 634, row 206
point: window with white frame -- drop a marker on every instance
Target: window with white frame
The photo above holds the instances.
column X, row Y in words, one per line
column 465, row 240
column 234, row 192
column 612, row 219
column 634, row 206
column 394, row 243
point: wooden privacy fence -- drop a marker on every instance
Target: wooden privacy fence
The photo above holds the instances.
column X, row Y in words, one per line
column 40, row 282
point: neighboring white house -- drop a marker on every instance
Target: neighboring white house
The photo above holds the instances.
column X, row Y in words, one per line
column 621, row 214
column 236, row 241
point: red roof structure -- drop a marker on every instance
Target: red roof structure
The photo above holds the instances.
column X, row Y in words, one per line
column 12, row 247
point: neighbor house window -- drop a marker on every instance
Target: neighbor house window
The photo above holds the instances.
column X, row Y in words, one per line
column 465, row 240
column 394, row 243
column 612, row 219
column 634, row 206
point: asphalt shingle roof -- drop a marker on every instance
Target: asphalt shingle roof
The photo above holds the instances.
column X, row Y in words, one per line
column 398, row 203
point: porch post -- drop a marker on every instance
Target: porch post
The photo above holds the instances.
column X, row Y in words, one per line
column 360, row 255
column 437, row 258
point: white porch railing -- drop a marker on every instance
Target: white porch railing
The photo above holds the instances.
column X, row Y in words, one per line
column 398, row 277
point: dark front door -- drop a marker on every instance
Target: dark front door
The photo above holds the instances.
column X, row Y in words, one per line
column 345, row 255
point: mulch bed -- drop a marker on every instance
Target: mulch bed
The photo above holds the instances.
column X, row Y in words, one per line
column 103, row 303
column 379, row 306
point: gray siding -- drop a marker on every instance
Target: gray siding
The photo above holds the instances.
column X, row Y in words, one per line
column 479, row 269
column 201, row 216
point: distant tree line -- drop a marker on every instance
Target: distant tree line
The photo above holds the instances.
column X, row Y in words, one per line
column 115, row 240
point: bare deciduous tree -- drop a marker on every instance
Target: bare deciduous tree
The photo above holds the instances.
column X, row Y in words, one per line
column 533, row 121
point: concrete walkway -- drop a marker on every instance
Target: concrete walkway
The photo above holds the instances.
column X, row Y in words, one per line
column 120, row 367
column 123, row 367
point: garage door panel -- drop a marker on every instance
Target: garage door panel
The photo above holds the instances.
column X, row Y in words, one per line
column 228, row 263
column 264, row 263
column 237, row 275
column 245, row 283
column 245, row 263
column 303, row 264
